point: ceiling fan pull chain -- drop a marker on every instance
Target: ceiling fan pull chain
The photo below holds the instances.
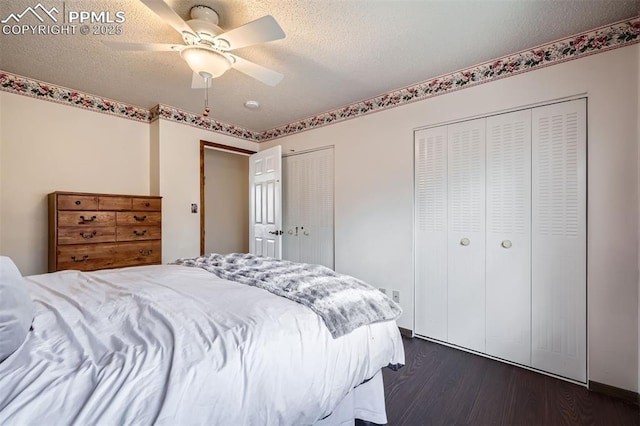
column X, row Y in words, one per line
column 206, row 97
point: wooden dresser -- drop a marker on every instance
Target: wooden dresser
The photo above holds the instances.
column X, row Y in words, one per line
column 100, row 231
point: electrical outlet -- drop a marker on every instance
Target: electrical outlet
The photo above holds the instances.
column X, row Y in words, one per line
column 396, row 296
column 384, row 290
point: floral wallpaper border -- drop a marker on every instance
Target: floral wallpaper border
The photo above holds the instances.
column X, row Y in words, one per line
column 170, row 113
column 37, row 89
column 595, row 41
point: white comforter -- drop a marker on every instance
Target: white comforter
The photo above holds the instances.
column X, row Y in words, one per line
column 177, row 345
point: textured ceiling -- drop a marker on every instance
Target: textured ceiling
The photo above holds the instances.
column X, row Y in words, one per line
column 336, row 52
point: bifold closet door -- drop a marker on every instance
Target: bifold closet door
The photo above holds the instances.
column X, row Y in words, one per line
column 431, row 232
column 316, row 233
column 508, row 275
column 308, row 207
column 558, row 286
column 466, row 234
column 291, row 212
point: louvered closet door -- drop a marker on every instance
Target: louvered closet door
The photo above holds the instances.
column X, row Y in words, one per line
column 308, row 207
column 316, row 227
column 291, row 213
column 508, row 275
column 559, row 239
column 466, row 234
column 431, row 232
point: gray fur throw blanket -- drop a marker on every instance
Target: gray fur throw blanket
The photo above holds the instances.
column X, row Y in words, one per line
column 343, row 302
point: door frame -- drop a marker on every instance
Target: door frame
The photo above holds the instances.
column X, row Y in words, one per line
column 216, row 147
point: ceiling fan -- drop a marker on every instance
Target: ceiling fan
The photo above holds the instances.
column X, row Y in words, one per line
column 207, row 47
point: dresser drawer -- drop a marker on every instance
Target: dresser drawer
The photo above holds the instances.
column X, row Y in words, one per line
column 139, row 253
column 139, row 218
column 86, row 257
column 86, row 234
column 114, row 203
column 87, row 218
column 77, row 202
column 138, row 233
column 147, row 204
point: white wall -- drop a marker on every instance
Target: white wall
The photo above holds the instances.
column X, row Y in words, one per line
column 374, row 191
column 179, row 184
column 46, row 147
column 226, row 202
column 154, row 158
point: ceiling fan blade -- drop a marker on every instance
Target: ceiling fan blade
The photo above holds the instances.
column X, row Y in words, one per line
column 163, row 10
column 260, row 73
column 261, row 30
column 197, row 82
column 148, row 47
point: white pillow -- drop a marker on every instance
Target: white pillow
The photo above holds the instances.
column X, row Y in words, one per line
column 16, row 308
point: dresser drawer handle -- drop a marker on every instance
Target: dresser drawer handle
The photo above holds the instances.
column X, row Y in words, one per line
column 147, row 204
column 146, row 252
column 139, row 234
column 78, row 202
column 88, row 235
column 83, row 220
column 84, row 259
column 140, row 219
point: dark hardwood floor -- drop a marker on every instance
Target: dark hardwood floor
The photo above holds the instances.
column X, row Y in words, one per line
column 443, row 386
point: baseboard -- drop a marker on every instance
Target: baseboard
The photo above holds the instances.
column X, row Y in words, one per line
column 626, row 395
column 406, row 332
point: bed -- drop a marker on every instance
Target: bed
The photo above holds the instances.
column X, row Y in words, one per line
column 175, row 344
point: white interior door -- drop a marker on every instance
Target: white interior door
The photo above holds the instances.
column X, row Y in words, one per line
column 508, row 275
column 466, row 234
column 559, row 243
column 265, row 203
column 431, row 232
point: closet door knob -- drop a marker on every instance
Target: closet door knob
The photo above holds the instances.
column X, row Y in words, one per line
column 465, row 242
column 506, row 244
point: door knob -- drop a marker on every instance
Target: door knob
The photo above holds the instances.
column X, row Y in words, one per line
column 465, row 242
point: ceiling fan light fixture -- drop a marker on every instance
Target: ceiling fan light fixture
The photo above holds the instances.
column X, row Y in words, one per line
column 205, row 61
